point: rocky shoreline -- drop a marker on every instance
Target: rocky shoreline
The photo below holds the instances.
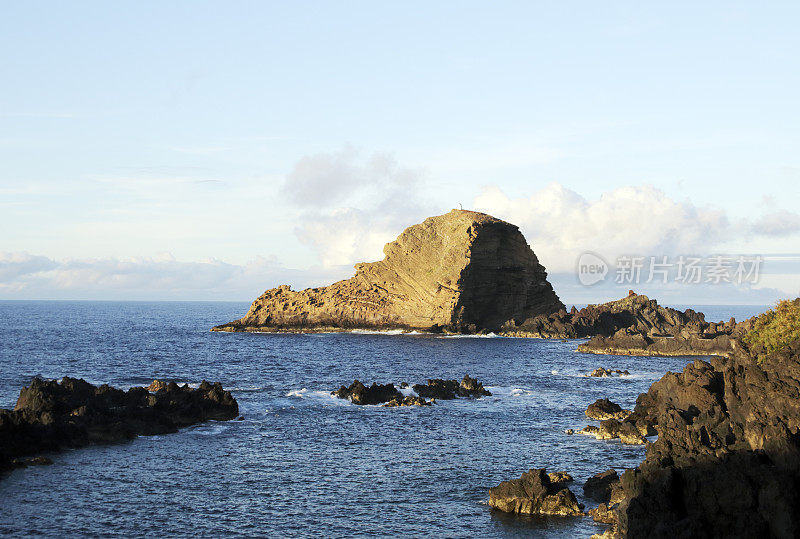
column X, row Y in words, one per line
column 632, row 326
column 635, row 326
column 726, row 462
column 50, row 415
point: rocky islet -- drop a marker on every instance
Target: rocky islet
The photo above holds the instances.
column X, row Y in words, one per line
column 463, row 271
column 52, row 415
column 388, row 395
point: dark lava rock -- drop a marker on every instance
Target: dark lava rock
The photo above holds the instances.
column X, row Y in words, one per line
column 611, row 429
column 602, row 372
column 470, row 387
column 637, row 312
column 560, row 477
column 598, row 487
column 407, row 401
column 450, row 389
column 603, row 513
column 50, row 415
column 31, row 461
column 358, row 393
column 634, row 325
column 603, row 409
column 727, row 459
column 534, row 494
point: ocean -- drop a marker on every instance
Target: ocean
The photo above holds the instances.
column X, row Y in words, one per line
column 303, row 463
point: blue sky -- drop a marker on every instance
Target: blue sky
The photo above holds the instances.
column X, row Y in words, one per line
column 200, row 150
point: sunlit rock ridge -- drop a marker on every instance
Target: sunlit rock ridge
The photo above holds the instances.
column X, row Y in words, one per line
column 463, row 271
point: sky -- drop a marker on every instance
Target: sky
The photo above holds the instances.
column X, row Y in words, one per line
column 212, row 150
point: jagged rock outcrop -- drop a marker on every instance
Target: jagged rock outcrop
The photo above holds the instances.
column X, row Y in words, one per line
column 450, row 389
column 534, row 494
column 358, row 393
column 603, row 409
column 408, row 400
column 50, row 415
column 634, row 325
column 560, row 477
column 635, row 311
column 599, row 486
column 602, row 372
column 727, row 459
column 463, row 271
column 611, row 429
column 390, row 396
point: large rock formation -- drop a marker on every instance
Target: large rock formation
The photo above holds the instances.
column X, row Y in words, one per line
column 462, row 271
column 727, row 459
column 50, row 415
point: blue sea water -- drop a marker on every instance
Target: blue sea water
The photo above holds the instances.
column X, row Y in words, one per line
column 303, row 463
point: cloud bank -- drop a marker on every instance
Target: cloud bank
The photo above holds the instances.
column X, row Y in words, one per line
column 560, row 224
column 352, row 205
column 26, row 276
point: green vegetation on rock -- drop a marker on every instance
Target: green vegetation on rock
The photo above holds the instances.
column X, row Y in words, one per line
column 775, row 329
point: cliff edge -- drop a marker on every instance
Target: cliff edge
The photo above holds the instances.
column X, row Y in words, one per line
column 463, row 271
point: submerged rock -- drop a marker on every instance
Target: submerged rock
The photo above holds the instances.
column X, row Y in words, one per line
column 51, row 415
column 463, row 271
column 534, row 494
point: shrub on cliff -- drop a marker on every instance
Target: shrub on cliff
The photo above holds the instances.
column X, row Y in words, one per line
column 774, row 329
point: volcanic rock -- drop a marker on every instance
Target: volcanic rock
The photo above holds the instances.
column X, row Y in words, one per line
column 601, row 372
column 437, row 388
column 727, row 459
column 636, row 311
column 611, row 429
column 409, row 400
column 534, row 494
column 598, row 487
column 603, row 513
column 358, row 393
column 157, row 385
column 603, row 409
column 634, row 325
column 463, row 271
column 50, row 415
column 560, row 477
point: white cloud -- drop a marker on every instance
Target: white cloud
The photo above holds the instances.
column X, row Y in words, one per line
column 779, row 224
column 352, row 206
column 323, row 180
column 560, row 224
column 28, row 276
